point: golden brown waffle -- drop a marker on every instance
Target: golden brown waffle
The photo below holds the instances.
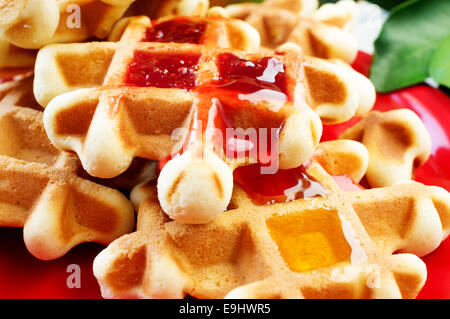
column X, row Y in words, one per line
column 42, row 191
column 19, row 92
column 349, row 158
column 31, row 24
column 314, row 248
column 414, row 219
column 397, row 142
column 72, row 68
column 12, row 56
column 23, row 23
column 322, row 33
column 130, row 117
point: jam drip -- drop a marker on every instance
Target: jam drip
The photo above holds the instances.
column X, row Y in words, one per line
column 246, row 76
column 282, row 186
column 241, row 82
column 221, row 103
column 162, row 71
column 180, row 30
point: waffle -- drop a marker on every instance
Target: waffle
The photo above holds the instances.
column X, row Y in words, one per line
column 321, row 33
column 19, row 91
column 12, row 56
column 397, row 142
column 55, row 60
column 157, row 9
column 413, row 219
column 350, row 158
column 31, row 24
column 252, row 251
column 42, row 191
column 191, row 105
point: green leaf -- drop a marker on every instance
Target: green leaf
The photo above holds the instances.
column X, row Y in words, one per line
column 440, row 63
column 387, row 4
column 407, row 43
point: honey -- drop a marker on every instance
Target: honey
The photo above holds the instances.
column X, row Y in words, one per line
column 311, row 239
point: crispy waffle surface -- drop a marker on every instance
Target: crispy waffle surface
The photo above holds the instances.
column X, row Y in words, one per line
column 19, row 91
column 137, row 119
column 26, row 25
column 322, row 32
column 105, row 75
column 128, row 35
column 31, row 24
column 13, row 56
column 358, row 244
column 397, row 141
column 47, row 192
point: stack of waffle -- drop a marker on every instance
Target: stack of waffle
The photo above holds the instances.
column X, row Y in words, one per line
column 207, row 124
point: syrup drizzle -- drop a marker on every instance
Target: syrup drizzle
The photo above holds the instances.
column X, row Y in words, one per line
column 239, row 83
column 283, row 186
column 218, row 102
column 242, row 82
column 244, row 76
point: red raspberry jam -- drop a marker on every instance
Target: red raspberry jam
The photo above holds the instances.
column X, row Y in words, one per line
column 180, row 30
column 222, row 102
column 265, row 78
column 241, row 82
column 162, row 70
column 284, row 185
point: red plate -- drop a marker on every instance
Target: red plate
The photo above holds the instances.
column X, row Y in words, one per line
column 23, row 276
